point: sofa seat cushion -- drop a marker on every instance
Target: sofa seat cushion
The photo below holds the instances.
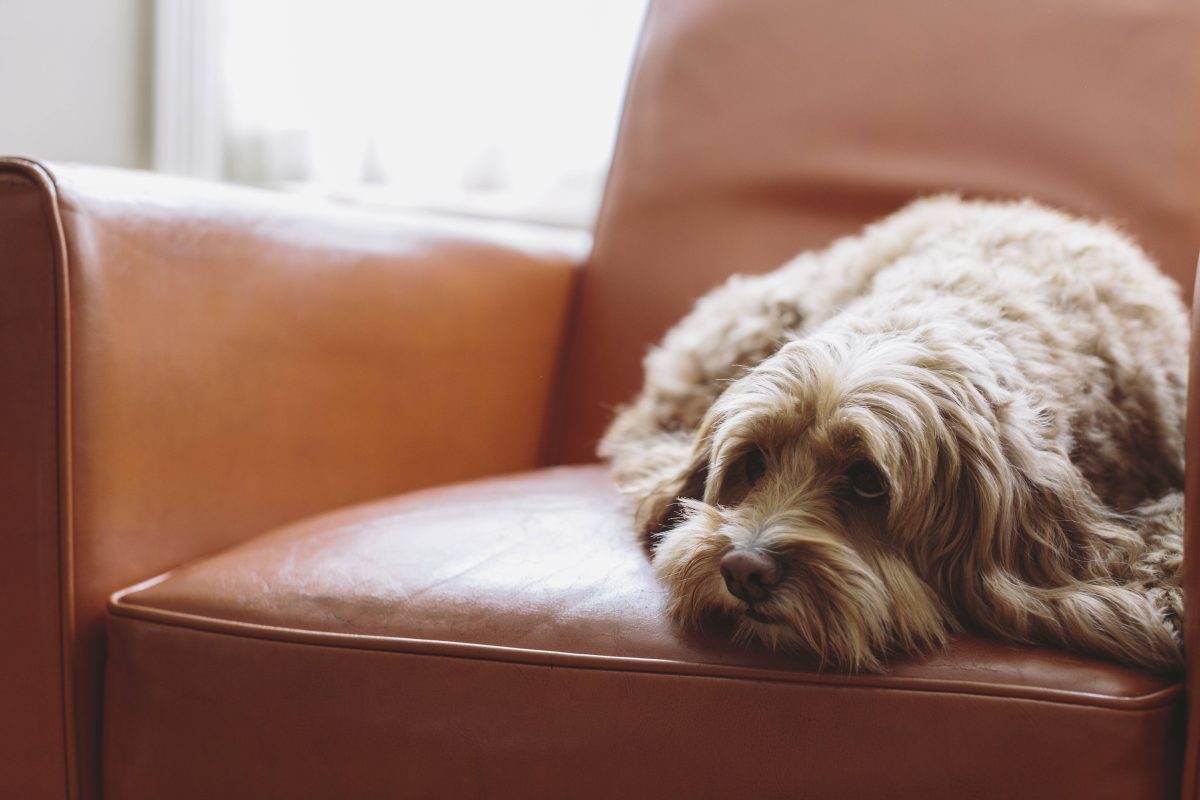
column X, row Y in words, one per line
column 507, row 637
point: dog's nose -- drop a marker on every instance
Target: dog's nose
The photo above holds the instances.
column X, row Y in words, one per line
column 749, row 574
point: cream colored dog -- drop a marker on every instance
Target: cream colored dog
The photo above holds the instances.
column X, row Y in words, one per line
column 969, row 416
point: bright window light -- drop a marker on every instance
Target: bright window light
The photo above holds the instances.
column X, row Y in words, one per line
column 501, row 109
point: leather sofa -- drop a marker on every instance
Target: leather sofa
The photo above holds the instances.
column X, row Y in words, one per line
column 298, row 501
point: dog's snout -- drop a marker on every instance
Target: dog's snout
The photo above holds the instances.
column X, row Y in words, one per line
column 750, row 573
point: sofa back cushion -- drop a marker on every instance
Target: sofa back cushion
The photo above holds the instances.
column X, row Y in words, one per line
column 755, row 128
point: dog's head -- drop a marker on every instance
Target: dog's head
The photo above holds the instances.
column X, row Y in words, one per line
column 857, row 495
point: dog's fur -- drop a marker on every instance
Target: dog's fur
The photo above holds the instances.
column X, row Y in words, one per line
column 1016, row 378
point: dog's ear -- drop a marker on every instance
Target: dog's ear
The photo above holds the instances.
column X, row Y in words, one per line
column 654, row 467
column 1051, row 561
column 685, row 479
column 1052, row 528
column 1014, row 499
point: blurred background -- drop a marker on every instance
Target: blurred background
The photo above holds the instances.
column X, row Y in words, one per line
column 504, row 110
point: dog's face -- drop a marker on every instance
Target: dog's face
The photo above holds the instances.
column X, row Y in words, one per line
column 853, row 497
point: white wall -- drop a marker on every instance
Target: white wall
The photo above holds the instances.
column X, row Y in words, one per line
column 76, row 80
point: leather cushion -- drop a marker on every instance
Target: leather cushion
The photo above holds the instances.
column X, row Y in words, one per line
column 507, row 636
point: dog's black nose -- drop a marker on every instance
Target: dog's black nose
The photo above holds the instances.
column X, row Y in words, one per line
column 749, row 574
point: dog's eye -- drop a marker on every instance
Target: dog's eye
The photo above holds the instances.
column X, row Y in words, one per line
column 755, row 464
column 866, row 481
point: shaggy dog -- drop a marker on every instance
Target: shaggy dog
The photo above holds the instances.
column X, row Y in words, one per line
column 969, row 416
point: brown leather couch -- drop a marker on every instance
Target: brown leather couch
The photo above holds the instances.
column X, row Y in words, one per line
column 186, row 368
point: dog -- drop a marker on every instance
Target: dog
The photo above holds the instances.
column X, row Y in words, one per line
column 970, row 416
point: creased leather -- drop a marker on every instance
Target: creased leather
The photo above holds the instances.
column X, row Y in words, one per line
column 496, row 602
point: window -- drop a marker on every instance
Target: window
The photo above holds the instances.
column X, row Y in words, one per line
column 472, row 106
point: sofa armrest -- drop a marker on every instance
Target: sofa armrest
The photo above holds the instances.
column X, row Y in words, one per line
column 188, row 364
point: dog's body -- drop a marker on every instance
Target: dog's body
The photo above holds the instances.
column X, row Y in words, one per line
column 971, row 415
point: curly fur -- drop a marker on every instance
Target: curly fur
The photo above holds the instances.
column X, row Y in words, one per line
column 1015, row 376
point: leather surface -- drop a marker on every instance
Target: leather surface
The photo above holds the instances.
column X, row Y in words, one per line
column 231, row 360
column 1191, row 565
column 755, row 128
column 232, row 367
column 33, row 754
column 507, row 638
